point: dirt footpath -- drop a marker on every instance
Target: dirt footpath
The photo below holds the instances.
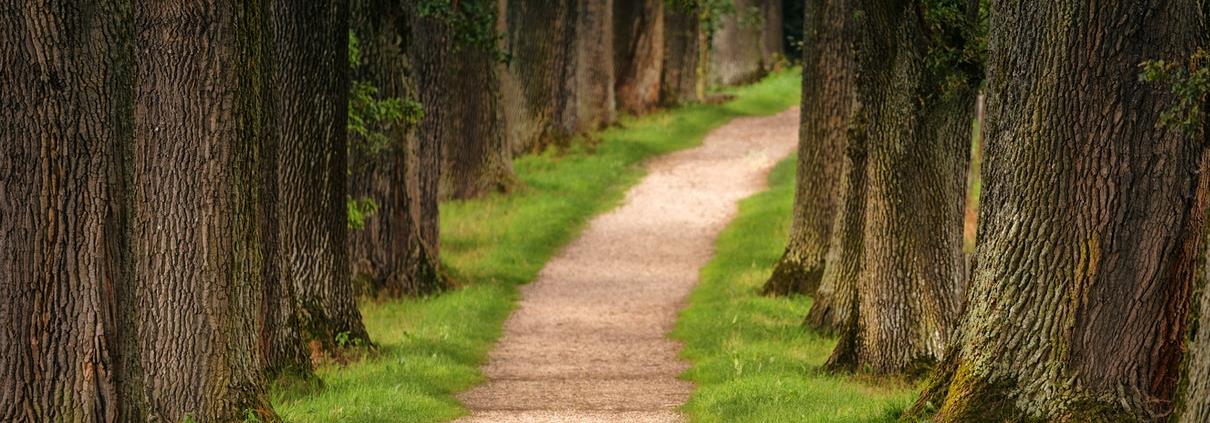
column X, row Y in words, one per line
column 589, row 340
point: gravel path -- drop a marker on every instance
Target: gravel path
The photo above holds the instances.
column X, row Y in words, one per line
column 588, row 342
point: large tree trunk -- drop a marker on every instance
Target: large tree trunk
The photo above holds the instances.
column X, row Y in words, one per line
column 638, row 53
column 1193, row 403
column 590, row 75
column 828, row 87
column 65, row 77
column 682, row 32
column 392, row 253
column 735, row 52
column 539, row 39
column 836, row 299
column 917, row 128
column 310, row 97
column 195, row 242
column 429, row 52
column 1088, row 228
column 478, row 158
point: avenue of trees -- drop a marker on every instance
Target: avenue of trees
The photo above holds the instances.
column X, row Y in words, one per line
column 193, row 194
column 1082, row 298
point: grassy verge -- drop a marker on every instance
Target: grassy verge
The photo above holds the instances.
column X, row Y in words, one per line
column 752, row 359
column 432, row 348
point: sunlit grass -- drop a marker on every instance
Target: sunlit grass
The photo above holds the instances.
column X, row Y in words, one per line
column 753, row 361
column 430, row 349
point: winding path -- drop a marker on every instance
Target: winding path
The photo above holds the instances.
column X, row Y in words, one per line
column 588, row 341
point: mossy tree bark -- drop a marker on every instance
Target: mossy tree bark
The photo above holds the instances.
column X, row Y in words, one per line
column 195, row 239
column 539, row 38
column 638, row 53
column 478, row 158
column 560, row 82
column 735, row 47
column 65, row 93
column 310, row 93
column 829, row 88
column 682, row 45
column 1088, row 211
column 590, row 75
column 394, row 253
column 917, row 128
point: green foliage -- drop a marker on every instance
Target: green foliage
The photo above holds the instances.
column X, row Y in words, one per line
column 251, row 417
column 369, row 113
column 1189, row 83
column 360, row 209
column 473, row 23
column 369, row 118
column 343, row 340
column 957, row 42
column 431, row 348
column 752, row 359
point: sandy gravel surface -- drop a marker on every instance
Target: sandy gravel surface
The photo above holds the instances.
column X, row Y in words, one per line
column 588, row 342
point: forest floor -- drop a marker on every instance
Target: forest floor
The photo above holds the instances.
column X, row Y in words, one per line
column 589, row 339
column 431, row 348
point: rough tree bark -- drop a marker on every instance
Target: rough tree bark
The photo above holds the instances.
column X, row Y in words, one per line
column 836, row 299
column 539, row 38
column 310, row 89
column 429, row 52
column 392, row 254
column 592, row 101
column 917, row 129
column 190, row 315
column 478, row 159
column 735, row 53
column 682, row 45
column 638, row 53
column 65, row 74
column 828, row 87
column 1088, row 224
column 1193, row 402
column 1194, row 405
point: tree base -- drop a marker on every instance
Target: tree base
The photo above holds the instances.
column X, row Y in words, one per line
column 822, row 317
column 793, row 277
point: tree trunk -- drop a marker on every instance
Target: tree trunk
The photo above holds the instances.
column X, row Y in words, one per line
column 590, row 75
column 828, row 87
column 65, row 74
column 430, row 50
column 735, row 53
column 394, row 252
column 682, row 28
column 917, row 126
column 836, row 299
column 1088, row 227
column 1193, row 402
column 638, row 53
column 195, row 248
column 772, row 45
column 478, row 159
column 540, row 34
column 310, row 96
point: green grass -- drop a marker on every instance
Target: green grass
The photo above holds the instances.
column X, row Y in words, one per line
column 752, row 359
column 432, row 348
